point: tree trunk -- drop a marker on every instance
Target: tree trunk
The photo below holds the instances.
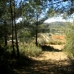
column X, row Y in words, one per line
column 5, row 33
column 37, row 30
column 16, row 33
column 12, row 27
column 36, row 33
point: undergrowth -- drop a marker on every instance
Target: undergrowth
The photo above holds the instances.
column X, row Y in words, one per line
column 30, row 50
column 69, row 48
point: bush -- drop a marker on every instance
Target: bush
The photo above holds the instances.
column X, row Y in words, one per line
column 24, row 35
column 30, row 50
column 69, row 48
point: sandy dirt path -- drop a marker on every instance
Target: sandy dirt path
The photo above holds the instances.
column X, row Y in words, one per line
column 52, row 56
column 49, row 62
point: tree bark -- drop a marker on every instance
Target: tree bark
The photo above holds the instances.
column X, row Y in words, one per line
column 16, row 33
column 36, row 33
column 5, row 32
column 37, row 30
column 12, row 28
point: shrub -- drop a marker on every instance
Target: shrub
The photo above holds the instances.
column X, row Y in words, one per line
column 69, row 48
column 30, row 50
column 24, row 35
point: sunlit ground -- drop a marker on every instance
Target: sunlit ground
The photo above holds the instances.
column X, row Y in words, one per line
column 49, row 62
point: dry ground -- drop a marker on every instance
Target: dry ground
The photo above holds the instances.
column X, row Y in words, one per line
column 49, row 62
column 53, row 55
column 46, row 55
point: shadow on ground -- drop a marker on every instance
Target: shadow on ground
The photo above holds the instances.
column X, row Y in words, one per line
column 25, row 65
column 29, row 66
column 49, row 48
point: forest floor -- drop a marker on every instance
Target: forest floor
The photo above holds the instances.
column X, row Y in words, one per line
column 49, row 62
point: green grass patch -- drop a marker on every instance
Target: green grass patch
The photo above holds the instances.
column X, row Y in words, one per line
column 30, row 50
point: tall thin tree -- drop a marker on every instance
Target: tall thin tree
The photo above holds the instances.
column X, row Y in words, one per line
column 12, row 27
column 5, row 32
column 16, row 32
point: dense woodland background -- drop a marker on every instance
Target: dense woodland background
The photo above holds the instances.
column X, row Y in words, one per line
column 26, row 38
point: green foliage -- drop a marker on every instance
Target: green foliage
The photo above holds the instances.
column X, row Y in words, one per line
column 51, row 12
column 24, row 35
column 69, row 48
column 30, row 50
